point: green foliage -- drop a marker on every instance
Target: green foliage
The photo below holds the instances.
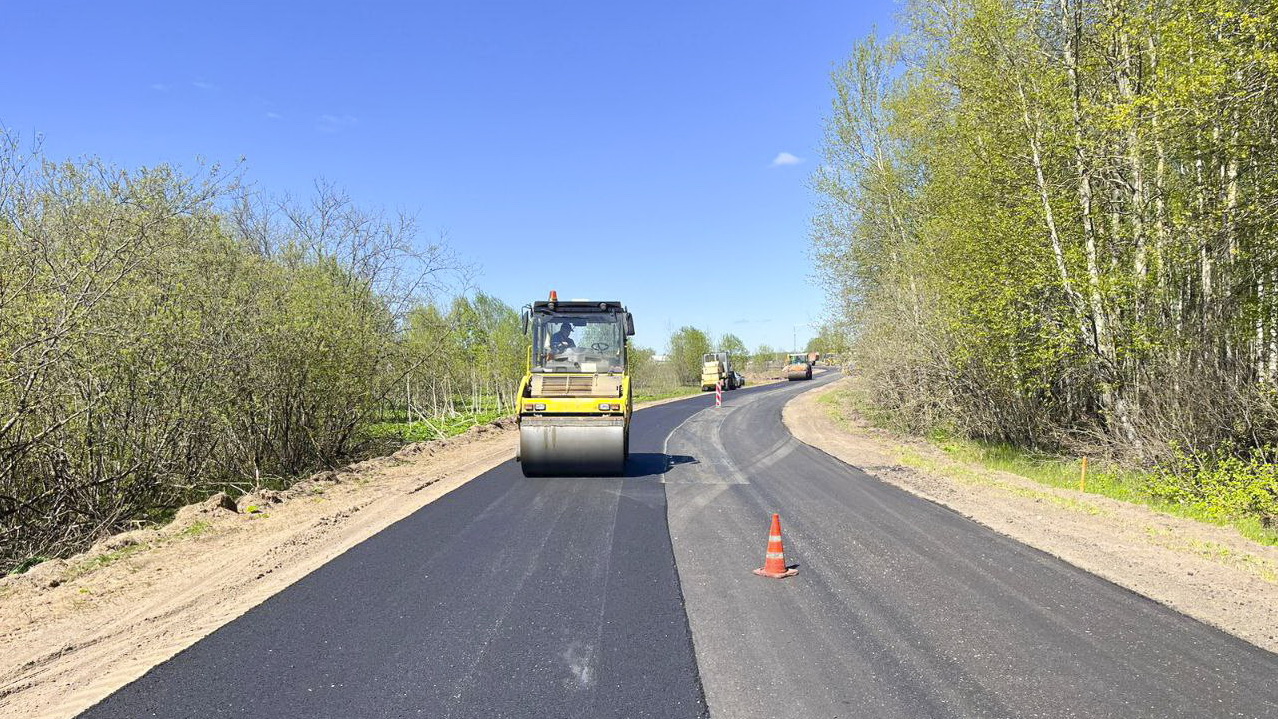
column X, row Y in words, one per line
column 831, row 340
column 195, row 529
column 1223, row 484
column 687, row 346
column 1052, row 227
column 474, row 352
column 437, row 428
column 735, row 348
column 100, row 561
column 765, row 358
column 26, row 564
column 651, row 379
column 163, row 337
column 643, row 368
column 653, row 394
column 1156, row 488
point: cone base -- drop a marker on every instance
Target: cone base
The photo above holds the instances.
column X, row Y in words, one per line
column 776, row 575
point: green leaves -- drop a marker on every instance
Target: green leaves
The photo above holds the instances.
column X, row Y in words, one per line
column 161, row 339
column 733, row 345
column 687, row 346
column 1223, row 484
column 1053, row 223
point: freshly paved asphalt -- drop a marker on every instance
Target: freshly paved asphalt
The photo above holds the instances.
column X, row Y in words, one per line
column 585, row 597
column 902, row 608
column 508, row 597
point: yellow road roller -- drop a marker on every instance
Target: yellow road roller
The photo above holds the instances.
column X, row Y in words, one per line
column 798, row 367
column 574, row 401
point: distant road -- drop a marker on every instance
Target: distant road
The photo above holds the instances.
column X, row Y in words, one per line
column 515, row 597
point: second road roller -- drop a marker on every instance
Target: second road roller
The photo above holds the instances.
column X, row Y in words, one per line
column 575, row 401
column 797, row 366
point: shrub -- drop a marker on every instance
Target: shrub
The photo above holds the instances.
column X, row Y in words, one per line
column 1227, row 483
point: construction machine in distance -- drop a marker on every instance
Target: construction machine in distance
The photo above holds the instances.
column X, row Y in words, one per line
column 716, row 367
column 574, row 401
column 798, row 367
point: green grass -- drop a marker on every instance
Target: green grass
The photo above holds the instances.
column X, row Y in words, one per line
column 195, row 529
column 654, row 394
column 28, row 563
column 397, row 428
column 103, row 560
column 439, row 428
column 837, row 404
column 1044, row 468
column 1103, row 478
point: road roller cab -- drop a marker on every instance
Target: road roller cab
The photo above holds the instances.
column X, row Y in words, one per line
column 574, row 401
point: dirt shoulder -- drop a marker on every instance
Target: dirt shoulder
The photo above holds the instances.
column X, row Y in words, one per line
column 1211, row 573
column 73, row 631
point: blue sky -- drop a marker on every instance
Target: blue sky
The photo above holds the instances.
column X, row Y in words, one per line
column 645, row 133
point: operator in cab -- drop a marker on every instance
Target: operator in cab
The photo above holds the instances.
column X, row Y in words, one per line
column 561, row 340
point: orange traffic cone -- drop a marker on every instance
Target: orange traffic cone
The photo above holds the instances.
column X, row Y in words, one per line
column 774, row 562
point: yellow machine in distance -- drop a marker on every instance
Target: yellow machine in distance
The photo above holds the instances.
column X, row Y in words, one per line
column 716, row 369
column 798, row 367
column 575, row 401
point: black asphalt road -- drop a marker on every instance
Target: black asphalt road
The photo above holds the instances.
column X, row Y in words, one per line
column 509, row 597
column 514, row 597
column 902, row 608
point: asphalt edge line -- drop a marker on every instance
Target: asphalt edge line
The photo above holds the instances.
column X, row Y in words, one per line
column 674, row 561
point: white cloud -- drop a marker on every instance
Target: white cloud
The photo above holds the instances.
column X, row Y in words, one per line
column 334, row 123
column 204, row 85
column 785, row 158
column 274, row 116
column 160, row 87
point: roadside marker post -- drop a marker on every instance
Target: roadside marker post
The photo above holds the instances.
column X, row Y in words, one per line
column 1082, row 479
column 718, row 393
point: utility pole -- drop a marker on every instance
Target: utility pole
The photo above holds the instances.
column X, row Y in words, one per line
column 794, row 334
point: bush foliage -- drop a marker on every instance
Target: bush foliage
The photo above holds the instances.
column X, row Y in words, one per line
column 1226, row 484
column 1052, row 225
column 164, row 335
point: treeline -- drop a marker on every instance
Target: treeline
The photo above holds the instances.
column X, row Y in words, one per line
column 163, row 336
column 463, row 360
column 1054, row 223
column 688, row 345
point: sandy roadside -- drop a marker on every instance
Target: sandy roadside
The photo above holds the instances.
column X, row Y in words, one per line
column 73, row 631
column 1211, row 573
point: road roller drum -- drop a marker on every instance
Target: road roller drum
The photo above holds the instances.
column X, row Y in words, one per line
column 579, row 446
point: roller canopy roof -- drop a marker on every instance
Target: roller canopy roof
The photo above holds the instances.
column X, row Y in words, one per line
column 578, row 306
